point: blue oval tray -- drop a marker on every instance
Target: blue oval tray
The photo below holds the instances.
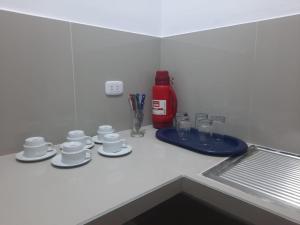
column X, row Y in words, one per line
column 229, row 146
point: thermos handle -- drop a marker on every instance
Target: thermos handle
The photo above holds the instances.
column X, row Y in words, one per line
column 173, row 101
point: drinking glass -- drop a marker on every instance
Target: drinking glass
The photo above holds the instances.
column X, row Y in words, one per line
column 184, row 129
column 218, row 128
column 137, row 121
column 180, row 116
column 200, row 116
column 204, row 127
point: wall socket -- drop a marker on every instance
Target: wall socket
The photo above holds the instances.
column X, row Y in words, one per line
column 114, row 87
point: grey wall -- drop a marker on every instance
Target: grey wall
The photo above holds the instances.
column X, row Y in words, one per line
column 52, row 76
column 250, row 73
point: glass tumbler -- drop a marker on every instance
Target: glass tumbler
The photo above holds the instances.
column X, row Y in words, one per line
column 204, row 127
column 218, row 128
column 184, row 129
column 200, row 116
column 137, row 121
column 180, row 116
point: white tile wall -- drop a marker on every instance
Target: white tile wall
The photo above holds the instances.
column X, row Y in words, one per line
column 52, row 76
column 250, row 73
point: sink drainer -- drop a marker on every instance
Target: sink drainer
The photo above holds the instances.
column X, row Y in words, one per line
column 263, row 171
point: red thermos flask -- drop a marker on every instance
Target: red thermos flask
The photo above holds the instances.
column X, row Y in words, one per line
column 164, row 101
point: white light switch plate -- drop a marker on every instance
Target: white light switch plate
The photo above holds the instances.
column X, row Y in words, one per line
column 114, row 87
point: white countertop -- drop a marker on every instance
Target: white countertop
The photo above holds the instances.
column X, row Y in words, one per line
column 38, row 194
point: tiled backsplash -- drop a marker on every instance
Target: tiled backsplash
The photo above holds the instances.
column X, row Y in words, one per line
column 250, row 72
column 52, row 76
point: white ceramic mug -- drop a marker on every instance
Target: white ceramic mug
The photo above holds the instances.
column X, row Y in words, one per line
column 74, row 152
column 112, row 143
column 104, row 129
column 36, row 147
column 79, row 135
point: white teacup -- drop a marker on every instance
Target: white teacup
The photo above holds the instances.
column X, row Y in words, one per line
column 104, row 129
column 72, row 146
column 79, row 136
column 74, row 152
column 112, row 143
column 36, row 147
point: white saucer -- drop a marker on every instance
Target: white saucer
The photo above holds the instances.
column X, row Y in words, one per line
column 96, row 140
column 124, row 151
column 20, row 156
column 90, row 145
column 56, row 161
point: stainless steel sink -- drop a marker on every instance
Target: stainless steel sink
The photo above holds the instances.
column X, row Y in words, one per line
column 273, row 174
